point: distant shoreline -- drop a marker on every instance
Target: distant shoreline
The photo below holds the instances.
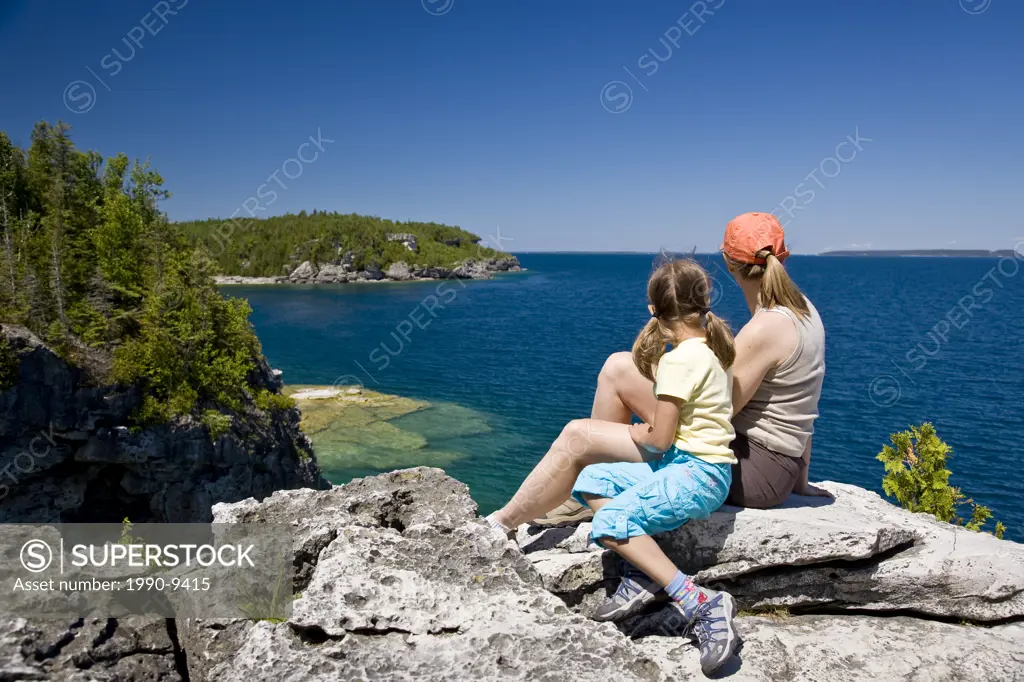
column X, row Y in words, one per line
column 930, row 253
column 307, row 273
column 919, row 253
column 239, row 281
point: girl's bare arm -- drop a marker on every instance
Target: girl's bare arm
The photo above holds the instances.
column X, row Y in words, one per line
column 659, row 436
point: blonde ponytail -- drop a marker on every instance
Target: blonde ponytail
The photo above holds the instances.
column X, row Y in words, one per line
column 777, row 289
column 648, row 348
column 719, row 339
column 679, row 293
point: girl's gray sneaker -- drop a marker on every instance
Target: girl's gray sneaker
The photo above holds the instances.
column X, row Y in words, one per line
column 714, row 629
column 635, row 592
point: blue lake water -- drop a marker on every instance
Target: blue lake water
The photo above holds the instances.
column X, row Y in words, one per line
column 908, row 340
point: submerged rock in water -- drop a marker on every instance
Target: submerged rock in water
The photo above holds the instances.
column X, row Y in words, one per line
column 366, row 430
column 444, row 421
column 326, row 407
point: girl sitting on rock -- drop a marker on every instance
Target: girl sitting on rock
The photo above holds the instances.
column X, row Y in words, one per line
column 643, row 479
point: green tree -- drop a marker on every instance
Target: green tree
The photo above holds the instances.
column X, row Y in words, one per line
column 273, row 246
column 13, row 304
column 89, row 263
column 917, row 476
column 194, row 347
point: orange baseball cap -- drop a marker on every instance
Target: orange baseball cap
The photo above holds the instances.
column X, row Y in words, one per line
column 747, row 234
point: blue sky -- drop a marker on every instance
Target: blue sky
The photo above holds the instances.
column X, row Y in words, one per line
column 569, row 125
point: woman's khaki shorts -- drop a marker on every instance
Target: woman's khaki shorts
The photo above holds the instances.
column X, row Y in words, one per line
column 762, row 478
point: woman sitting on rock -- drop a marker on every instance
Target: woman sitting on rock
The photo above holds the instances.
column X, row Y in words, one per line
column 777, row 376
column 649, row 478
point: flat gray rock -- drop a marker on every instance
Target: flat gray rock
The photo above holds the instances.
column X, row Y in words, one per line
column 98, row 650
column 856, row 551
column 396, row 578
column 401, row 580
column 854, row 649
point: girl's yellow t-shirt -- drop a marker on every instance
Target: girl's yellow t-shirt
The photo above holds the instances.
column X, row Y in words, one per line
column 692, row 373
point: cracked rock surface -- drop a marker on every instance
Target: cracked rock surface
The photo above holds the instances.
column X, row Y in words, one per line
column 408, row 583
column 841, row 648
column 854, row 552
column 101, row 649
column 398, row 579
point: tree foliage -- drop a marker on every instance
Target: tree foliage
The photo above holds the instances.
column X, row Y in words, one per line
column 8, row 365
column 274, row 246
column 917, row 476
column 90, row 264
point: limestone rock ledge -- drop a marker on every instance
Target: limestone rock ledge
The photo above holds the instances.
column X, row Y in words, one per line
column 856, row 552
column 842, row 648
column 398, row 579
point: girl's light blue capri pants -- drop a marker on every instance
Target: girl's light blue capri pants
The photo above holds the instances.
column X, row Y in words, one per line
column 653, row 497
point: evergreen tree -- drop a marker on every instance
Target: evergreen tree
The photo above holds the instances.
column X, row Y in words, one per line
column 90, row 264
column 274, row 246
column 916, row 474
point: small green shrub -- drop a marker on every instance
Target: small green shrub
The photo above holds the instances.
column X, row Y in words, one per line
column 268, row 401
column 271, row 603
column 217, row 423
column 126, row 534
column 917, row 476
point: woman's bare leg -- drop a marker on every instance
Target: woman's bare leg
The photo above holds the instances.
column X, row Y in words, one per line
column 623, row 391
column 641, row 551
column 582, row 442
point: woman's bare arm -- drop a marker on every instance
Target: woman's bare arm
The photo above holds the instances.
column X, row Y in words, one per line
column 763, row 344
column 802, row 486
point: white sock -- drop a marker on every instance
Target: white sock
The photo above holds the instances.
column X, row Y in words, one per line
column 496, row 524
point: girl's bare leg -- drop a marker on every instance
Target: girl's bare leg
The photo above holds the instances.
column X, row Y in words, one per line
column 641, row 551
column 582, row 442
column 623, row 391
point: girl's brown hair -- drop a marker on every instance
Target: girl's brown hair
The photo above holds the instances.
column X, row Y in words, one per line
column 679, row 291
column 777, row 289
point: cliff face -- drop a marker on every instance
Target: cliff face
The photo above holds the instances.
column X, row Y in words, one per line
column 69, row 453
column 397, row 579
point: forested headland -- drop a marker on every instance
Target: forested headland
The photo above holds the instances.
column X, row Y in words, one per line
column 273, row 247
column 90, row 264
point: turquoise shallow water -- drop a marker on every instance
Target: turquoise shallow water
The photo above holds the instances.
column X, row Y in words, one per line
column 904, row 345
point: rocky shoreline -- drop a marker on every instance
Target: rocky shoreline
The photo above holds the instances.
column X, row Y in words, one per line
column 397, row 578
column 344, row 272
column 70, row 450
